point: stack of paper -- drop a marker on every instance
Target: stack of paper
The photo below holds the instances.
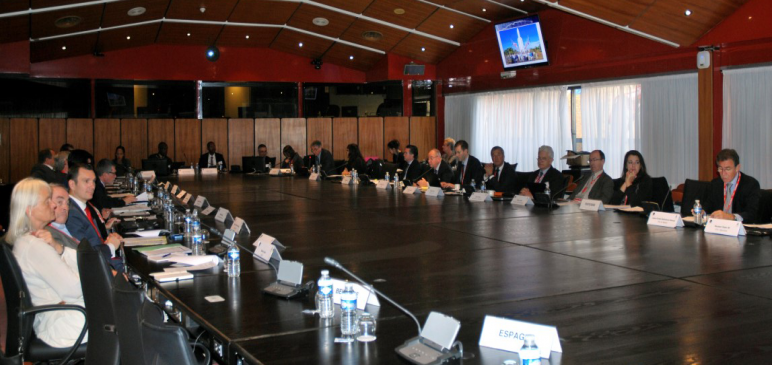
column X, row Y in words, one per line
column 611, row 206
column 121, row 195
column 163, row 252
column 143, row 241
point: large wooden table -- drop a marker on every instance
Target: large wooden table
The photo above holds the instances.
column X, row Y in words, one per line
column 617, row 290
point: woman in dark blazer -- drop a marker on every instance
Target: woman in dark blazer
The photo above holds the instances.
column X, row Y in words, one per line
column 355, row 160
column 634, row 186
column 122, row 165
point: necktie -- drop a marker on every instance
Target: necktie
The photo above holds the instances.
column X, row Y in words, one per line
column 211, row 161
column 463, row 171
column 728, row 202
column 541, row 176
column 405, row 173
column 91, row 219
column 496, row 173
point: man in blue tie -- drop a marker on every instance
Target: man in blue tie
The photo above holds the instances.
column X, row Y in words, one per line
column 733, row 195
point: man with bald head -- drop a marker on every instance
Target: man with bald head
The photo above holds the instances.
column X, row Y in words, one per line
column 439, row 173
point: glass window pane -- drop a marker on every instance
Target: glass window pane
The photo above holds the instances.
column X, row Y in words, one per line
column 249, row 100
column 423, row 98
column 145, row 99
column 353, row 100
column 23, row 97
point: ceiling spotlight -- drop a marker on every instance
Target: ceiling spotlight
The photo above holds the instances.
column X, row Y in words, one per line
column 247, row 36
column 484, row 10
column 317, row 63
column 320, row 21
column 452, row 26
column 128, row 37
column 351, row 57
column 136, row 11
column 688, row 12
column 67, row 21
column 399, row 11
column 202, row 9
column 423, row 49
column 188, row 34
column 212, row 54
column 64, row 48
column 300, row 44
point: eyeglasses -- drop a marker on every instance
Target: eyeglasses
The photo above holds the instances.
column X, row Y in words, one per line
column 543, row 159
column 112, row 173
column 725, row 169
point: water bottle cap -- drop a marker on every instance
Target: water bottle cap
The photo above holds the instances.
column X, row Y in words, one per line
column 325, row 272
column 349, row 286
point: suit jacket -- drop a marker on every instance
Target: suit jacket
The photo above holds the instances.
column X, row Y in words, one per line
column 399, row 159
column 101, row 200
column 296, row 161
column 474, row 171
column 505, row 181
column 80, row 228
column 746, row 198
column 445, row 175
column 412, row 172
column 639, row 191
column 159, row 156
column 358, row 164
column 63, row 238
column 327, row 164
column 603, row 189
column 45, row 173
column 203, row 161
column 122, row 169
column 554, row 177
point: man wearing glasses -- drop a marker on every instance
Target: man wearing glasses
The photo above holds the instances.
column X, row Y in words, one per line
column 105, row 170
column 733, row 195
column 598, row 185
column 546, row 173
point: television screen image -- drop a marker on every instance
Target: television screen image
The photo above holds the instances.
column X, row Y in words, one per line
column 521, row 43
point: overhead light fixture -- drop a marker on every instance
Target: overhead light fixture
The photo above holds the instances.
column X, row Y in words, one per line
column 136, row 11
column 372, row 35
column 351, row 57
column 67, row 21
column 320, row 21
column 247, row 36
column 399, row 11
column 212, row 54
column 423, row 49
column 300, row 44
column 484, row 10
column 64, row 48
column 452, row 26
column 128, row 37
column 317, row 62
column 688, row 12
column 188, row 34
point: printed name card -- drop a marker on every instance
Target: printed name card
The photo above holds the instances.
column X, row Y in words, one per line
column 274, row 172
column 187, row 198
column 314, row 176
column 480, row 197
column 591, row 205
column 209, row 171
column 167, row 185
column 181, row 194
column 200, row 202
column 509, row 335
column 434, row 191
column 411, row 190
column 364, row 295
column 238, row 225
column 264, row 238
column 383, row 184
column 346, row 180
column 208, row 210
column 521, row 200
column 148, row 175
column 266, row 251
column 223, row 215
column 725, row 227
column 174, row 189
column 667, row 220
column 186, row 172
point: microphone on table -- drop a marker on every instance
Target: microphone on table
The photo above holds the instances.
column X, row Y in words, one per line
column 419, row 176
column 334, row 169
column 566, row 187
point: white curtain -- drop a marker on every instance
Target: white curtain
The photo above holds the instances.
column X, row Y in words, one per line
column 747, row 125
column 669, row 127
column 520, row 121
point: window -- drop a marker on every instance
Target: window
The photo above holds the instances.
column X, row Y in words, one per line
column 24, row 97
column 423, row 98
column 575, row 96
column 353, row 100
column 249, row 100
column 145, row 99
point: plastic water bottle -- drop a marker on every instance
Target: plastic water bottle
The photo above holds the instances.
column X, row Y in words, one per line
column 387, row 177
column 234, row 264
column 529, row 353
column 348, row 311
column 547, row 190
column 483, row 188
column 324, row 295
column 396, row 181
column 474, row 185
column 197, row 239
column 699, row 213
column 292, row 168
column 187, row 219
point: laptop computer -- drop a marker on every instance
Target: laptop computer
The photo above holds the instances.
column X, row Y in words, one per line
column 288, row 281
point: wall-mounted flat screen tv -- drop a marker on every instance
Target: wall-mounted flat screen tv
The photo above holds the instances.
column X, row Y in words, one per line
column 521, row 43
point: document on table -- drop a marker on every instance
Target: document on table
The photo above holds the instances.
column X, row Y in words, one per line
column 121, row 195
column 149, row 233
column 757, row 226
column 616, row 207
column 633, row 210
column 143, row 241
column 193, row 263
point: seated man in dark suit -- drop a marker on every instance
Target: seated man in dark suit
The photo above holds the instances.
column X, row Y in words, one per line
column 163, row 149
column 61, row 167
column 546, row 174
column 85, row 221
column 468, row 168
column 322, row 159
column 500, row 175
column 597, row 185
column 106, row 172
column 411, row 169
column 733, row 195
column 212, row 158
column 44, row 170
column 439, row 173
column 58, row 228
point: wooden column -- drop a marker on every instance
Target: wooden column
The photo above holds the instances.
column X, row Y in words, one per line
column 707, row 155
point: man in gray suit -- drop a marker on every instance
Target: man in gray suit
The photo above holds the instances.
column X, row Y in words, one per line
column 597, row 185
column 58, row 227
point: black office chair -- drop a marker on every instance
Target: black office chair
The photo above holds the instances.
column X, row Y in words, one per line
column 765, row 207
column 521, row 180
column 693, row 190
column 661, row 198
column 167, row 344
column 127, row 303
column 21, row 343
column 96, row 282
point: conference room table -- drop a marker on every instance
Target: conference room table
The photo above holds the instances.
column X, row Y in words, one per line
column 617, row 290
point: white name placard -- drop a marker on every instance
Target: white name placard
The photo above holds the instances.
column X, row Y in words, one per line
column 521, row 200
column 238, row 225
column 411, row 190
column 509, row 335
column 383, row 184
column 148, row 175
column 181, row 194
column 200, row 202
column 725, row 227
column 434, row 191
column 187, row 198
column 591, row 205
column 264, row 238
column 223, row 215
column 274, row 172
column 667, row 220
column 314, row 176
column 346, row 180
column 364, row 296
column 186, row 172
column 266, row 251
column 480, row 197
column 208, row 210
column 174, row 189
column 209, row 171
column 167, row 185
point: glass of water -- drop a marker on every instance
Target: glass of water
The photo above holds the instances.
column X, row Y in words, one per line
column 366, row 328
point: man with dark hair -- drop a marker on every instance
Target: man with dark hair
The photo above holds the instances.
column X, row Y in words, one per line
column 66, row 147
column 733, row 195
column 163, row 149
column 412, row 169
column 211, row 158
column 106, row 173
column 500, row 175
column 397, row 156
column 44, row 170
column 84, row 220
column 262, row 150
column 597, row 185
column 468, row 167
column 322, row 158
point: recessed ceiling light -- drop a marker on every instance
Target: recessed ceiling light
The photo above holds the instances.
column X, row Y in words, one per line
column 484, row 10
column 300, row 44
column 136, row 11
column 452, row 26
column 399, row 11
column 351, row 57
column 64, row 48
column 372, row 35
column 750, row 17
column 247, row 36
column 188, row 34
column 320, row 21
column 128, row 37
column 67, row 21
column 688, row 12
column 423, row 49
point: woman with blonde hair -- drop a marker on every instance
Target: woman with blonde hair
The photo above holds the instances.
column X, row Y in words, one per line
column 49, row 269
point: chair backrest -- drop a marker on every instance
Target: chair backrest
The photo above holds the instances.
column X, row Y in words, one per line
column 693, row 190
column 96, row 282
column 660, row 194
column 163, row 343
column 765, row 207
column 521, row 180
column 17, row 298
column 678, row 194
column 127, row 301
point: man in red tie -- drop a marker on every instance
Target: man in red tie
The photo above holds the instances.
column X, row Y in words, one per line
column 733, row 195
column 546, row 173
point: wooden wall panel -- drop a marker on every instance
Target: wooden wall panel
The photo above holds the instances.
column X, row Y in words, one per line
column 5, row 150
column 23, row 147
column 187, row 140
column 344, row 131
column 397, row 128
column 371, row 136
column 160, row 130
column 241, row 140
column 320, row 129
column 134, row 140
column 80, row 133
column 52, row 133
column 215, row 130
column 107, row 136
column 293, row 133
column 268, row 132
column 423, row 134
